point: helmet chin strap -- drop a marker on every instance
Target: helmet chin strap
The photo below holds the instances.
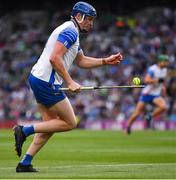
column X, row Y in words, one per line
column 77, row 22
column 82, row 19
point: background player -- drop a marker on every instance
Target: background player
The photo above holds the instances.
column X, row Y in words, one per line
column 152, row 92
column 47, row 76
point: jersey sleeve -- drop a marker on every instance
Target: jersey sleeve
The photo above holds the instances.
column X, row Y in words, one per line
column 67, row 37
column 150, row 72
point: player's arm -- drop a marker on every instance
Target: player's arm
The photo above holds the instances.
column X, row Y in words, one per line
column 91, row 62
column 150, row 79
column 56, row 60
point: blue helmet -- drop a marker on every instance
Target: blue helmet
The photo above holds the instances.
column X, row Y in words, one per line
column 84, row 8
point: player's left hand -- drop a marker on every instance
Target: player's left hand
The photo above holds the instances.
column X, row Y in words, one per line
column 113, row 59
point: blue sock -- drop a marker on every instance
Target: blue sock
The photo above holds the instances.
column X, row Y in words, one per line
column 28, row 130
column 27, row 159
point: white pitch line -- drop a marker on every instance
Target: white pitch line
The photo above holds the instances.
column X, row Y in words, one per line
column 97, row 165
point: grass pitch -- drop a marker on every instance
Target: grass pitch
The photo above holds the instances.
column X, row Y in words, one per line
column 96, row 154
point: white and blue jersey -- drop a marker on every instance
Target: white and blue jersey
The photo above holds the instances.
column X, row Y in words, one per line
column 68, row 35
column 152, row 91
column 44, row 80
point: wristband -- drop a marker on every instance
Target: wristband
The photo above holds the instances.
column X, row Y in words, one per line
column 104, row 61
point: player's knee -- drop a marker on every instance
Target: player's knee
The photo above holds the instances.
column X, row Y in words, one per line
column 163, row 107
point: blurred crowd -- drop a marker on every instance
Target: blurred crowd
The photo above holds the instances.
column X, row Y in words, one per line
column 140, row 37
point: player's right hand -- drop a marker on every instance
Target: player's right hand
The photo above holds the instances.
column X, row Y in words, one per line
column 113, row 59
column 74, row 86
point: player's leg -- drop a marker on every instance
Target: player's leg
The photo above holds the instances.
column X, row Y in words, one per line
column 65, row 111
column 139, row 108
column 25, row 165
column 64, row 120
column 40, row 138
column 49, row 114
column 38, row 142
column 161, row 106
